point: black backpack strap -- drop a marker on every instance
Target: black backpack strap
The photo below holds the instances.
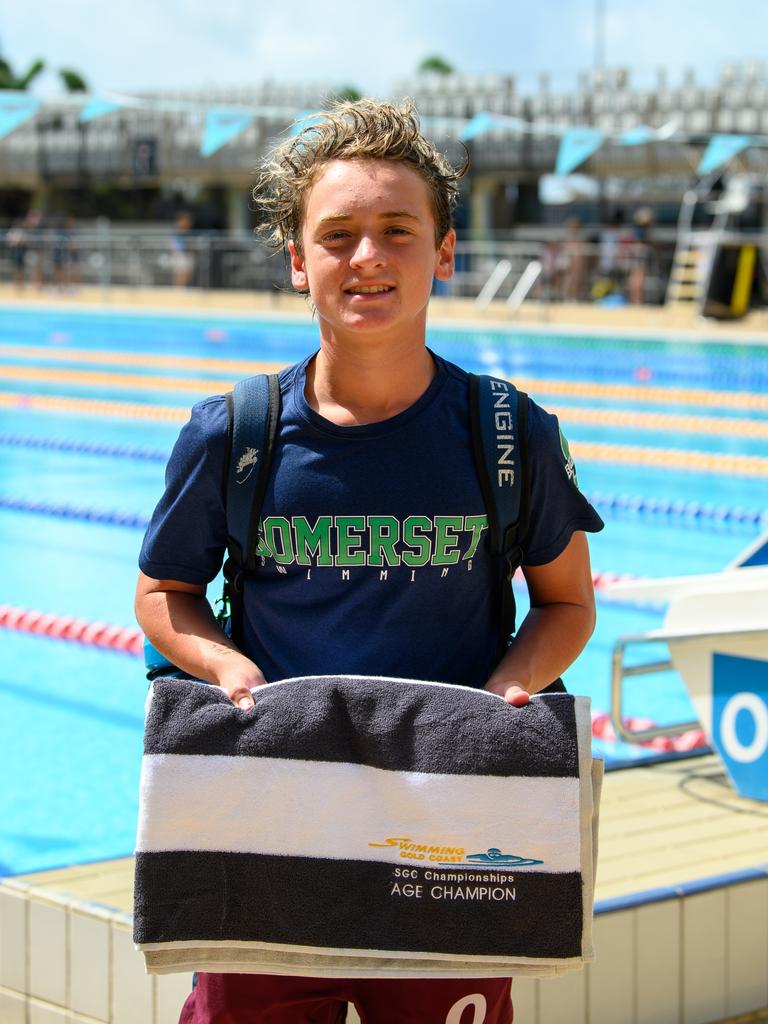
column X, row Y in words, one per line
column 499, row 423
column 253, row 410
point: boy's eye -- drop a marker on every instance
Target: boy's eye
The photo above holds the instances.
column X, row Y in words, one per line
column 341, row 235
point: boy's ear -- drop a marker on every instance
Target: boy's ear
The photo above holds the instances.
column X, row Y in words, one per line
column 298, row 273
column 444, row 260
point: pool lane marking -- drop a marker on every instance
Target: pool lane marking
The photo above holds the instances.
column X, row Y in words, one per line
column 101, row 378
column 143, row 359
column 674, row 422
column 94, row 407
column 125, row 639
column 655, row 511
column 700, row 397
column 169, row 362
column 670, row 458
column 630, row 419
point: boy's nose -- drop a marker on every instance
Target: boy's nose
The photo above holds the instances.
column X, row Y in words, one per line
column 367, row 252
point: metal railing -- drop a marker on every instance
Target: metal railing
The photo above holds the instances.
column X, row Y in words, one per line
column 108, row 255
column 620, row 672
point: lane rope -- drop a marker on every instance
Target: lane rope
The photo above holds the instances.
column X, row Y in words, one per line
column 693, row 513
column 643, row 394
column 700, row 397
column 93, row 407
column 669, row 458
column 81, row 513
column 101, row 378
column 625, row 419
column 723, row 370
column 692, row 739
column 246, row 367
column 116, row 451
column 665, row 422
column 136, row 521
column 123, row 639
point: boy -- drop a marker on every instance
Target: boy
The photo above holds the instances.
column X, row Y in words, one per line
column 373, row 536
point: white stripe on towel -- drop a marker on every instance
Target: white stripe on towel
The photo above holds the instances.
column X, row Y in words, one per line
column 289, row 807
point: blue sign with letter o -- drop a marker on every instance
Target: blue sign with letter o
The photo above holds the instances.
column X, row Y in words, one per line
column 740, row 721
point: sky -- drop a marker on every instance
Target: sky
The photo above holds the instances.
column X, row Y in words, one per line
column 166, row 44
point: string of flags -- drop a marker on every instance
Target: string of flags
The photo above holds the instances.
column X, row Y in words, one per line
column 223, row 124
column 577, row 145
column 220, row 124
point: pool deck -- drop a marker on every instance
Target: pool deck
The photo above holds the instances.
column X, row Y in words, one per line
column 681, row 928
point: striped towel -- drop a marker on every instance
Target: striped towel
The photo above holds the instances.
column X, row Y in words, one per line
column 365, row 827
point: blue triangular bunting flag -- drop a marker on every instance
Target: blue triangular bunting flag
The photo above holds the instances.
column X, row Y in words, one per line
column 98, row 106
column 480, row 124
column 15, row 109
column 221, row 126
column 720, row 150
column 637, row 136
column 303, row 120
column 576, row 146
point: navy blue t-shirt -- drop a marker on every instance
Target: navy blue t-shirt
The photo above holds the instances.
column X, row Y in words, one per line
column 374, row 552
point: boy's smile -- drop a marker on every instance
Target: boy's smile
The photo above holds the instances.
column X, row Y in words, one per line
column 368, row 252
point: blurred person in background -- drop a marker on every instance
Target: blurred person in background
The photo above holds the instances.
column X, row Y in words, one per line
column 574, row 261
column 639, row 255
column 182, row 258
column 64, row 253
column 25, row 247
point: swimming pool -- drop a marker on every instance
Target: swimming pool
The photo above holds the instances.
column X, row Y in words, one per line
column 669, row 438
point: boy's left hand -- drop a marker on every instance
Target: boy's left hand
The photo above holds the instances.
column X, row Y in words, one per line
column 512, row 693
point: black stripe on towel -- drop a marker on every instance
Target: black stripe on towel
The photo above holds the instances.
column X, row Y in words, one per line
column 184, row 896
column 389, row 724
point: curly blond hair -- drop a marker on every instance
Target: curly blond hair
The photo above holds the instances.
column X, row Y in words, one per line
column 353, row 130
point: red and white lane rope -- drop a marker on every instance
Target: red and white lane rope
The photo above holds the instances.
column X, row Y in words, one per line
column 693, row 739
column 124, row 639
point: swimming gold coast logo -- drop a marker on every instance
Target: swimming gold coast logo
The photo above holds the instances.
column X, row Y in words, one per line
column 493, row 857
column 410, row 850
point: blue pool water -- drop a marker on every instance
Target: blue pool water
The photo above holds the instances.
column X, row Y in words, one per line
column 71, row 717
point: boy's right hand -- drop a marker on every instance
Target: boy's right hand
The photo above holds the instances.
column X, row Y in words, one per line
column 178, row 620
column 238, row 682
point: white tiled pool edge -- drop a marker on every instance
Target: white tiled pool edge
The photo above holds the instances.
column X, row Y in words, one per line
column 64, row 961
column 691, row 958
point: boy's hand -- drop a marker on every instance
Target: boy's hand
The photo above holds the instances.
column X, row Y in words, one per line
column 512, row 693
column 238, row 683
column 178, row 620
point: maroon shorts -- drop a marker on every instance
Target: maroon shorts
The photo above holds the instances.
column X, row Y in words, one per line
column 272, row 999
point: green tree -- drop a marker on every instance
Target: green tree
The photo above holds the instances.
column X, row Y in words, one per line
column 437, row 64
column 73, row 81
column 10, row 79
column 345, row 93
